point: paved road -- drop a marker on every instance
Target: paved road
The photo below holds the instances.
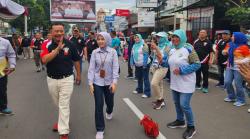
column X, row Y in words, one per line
column 35, row 112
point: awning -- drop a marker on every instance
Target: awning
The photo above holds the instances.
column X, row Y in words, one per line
column 10, row 9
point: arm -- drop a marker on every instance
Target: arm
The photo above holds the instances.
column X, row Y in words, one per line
column 115, row 68
column 50, row 56
column 11, row 55
column 78, row 72
column 86, row 52
column 91, row 70
column 194, row 66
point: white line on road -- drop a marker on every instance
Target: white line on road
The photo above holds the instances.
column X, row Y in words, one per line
column 139, row 114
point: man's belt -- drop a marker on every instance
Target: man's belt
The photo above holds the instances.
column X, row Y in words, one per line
column 59, row 76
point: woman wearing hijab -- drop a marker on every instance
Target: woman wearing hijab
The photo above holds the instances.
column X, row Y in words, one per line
column 103, row 76
column 238, row 52
column 183, row 62
column 159, row 70
column 140, row 58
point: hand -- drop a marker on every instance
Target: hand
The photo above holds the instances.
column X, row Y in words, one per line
column 113, row 87
column 91, row 89
column 176, row 71
column 245, row 71
column 61, row 44
column 78, row 80
column 8, row 71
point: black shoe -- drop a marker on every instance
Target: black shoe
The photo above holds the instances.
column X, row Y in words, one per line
column 176, row 124
column 189, row 133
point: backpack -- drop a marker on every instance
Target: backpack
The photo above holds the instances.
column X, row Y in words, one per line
column 150, row 127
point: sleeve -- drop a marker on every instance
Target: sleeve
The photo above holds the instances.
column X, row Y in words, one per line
column 91, row 70
column 115, row 67
column 11, row 55
column 145, row 55
column 193, row 66
column 45, row 51
column 75, row 55
column 165, row 60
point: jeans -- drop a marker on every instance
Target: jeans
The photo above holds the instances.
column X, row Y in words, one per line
column 142, row 75
column 3, row 93
column 204, row 70
column 130, row 70
column 182, row 106
column 238, row 80
column 102, row 93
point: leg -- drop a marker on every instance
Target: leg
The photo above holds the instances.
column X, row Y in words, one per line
column 179, row 112
column 147, row 89
column 221, row 74
column 228, row 84
column 185, row 99
column 139, row 75
column 65, row 92
column 3, row 93
column 198, row 78
column 109, row 100
column 238, row 80
column 157, row 83
column 130, row 70
column 99, row 102
column 53, row 90
column 205, row 73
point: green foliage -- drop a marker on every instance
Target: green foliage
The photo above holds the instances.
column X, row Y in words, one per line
column 240, row 16
column 39, row 13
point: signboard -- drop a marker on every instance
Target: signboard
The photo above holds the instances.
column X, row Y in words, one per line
column 121, row 23
column 122, row 12
column 146, row 19
column 146, row 3
column 109, row 19
column 73, row 10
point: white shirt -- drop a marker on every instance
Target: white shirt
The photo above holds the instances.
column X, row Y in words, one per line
column 181, row 83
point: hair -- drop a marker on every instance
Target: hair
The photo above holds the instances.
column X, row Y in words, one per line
column 92, row 33
column 113, row 33
column 56, row 24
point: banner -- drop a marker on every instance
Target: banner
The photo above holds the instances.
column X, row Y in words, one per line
column 146, row 3
column 146, row 19
column 109, row 19
column 122, row 12
column 73, row 10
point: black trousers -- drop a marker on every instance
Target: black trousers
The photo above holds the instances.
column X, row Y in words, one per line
column 3, row 93
column 204, row 70
column 221, row 71
column 130, row 70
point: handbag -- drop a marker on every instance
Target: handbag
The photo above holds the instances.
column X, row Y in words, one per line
column 150, row 127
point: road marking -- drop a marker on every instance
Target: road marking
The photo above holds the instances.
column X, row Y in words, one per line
column 139, row 114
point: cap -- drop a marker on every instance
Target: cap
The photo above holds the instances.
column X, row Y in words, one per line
column 170, row 33
column 225, row 32
column 153, row 33
column 162, row 34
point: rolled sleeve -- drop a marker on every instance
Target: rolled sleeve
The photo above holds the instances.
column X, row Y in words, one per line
column 115, row 68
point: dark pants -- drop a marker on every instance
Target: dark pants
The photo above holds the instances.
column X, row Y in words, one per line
column 204, row 70
column 221, row 71
column 3, row 93
column 142, row 75
column 101, row 93
column 130, row 70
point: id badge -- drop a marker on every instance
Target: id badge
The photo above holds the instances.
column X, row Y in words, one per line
column 102, row 73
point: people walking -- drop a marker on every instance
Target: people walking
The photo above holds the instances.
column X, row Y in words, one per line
column 37, row 50
column 183, row 62
column 203, row 47
column 90, row 46
column 221, row 60
column 140, row 59
column 159, row 70
column 7, row 67
column 26, row 46
column 237, row 52
column 130, row 46
column 60, row 56
column 103, row 76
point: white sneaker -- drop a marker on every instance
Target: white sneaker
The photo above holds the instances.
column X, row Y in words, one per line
column 135, row 92
column 99, row 135
column 248, row 110
column 109, row 116
column 25, row 58
column 144, row 96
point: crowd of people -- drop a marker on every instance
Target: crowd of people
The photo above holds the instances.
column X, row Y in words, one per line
column 166, row 55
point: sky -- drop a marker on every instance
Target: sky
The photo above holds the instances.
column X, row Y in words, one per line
column 114, row 4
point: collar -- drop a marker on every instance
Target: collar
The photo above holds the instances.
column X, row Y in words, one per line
column 106, row 50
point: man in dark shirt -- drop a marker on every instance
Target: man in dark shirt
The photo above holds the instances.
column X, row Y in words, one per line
column 37, row 50
column 130, row 46
column 25, row 45
column 203, row 47
column 90, row 45
column 221, row 59
column 60, row 55
column 78, row 41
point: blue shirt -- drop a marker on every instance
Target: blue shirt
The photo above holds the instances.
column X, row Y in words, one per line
column 111, row 67
column 116, row 43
